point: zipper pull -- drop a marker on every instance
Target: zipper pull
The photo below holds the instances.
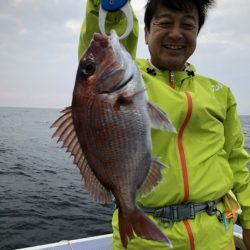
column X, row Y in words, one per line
column 171, row 79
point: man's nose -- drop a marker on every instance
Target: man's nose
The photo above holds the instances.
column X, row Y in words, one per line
column 175, row 33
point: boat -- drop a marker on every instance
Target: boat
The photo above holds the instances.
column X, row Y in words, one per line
column 104, row 242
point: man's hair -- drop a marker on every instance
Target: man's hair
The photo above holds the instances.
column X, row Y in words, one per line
column 178, row 5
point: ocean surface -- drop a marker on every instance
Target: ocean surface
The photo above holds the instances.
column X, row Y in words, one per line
column 42, row 198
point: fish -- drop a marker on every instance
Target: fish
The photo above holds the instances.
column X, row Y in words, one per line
column 107, row 130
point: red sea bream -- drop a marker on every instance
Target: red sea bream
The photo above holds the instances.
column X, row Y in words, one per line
column 107, row 130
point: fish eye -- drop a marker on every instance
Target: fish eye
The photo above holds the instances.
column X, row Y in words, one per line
column 88, row 68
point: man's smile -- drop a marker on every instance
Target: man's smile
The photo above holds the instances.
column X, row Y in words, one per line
column 173, row 46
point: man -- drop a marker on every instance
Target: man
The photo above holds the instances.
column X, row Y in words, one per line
column 206, row 157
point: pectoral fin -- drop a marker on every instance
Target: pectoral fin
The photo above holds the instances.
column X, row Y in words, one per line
column 159, row 118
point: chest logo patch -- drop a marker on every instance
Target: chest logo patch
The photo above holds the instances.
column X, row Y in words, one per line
column 216, row 87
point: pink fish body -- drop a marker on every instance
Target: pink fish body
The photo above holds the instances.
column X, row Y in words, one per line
column 107, row 130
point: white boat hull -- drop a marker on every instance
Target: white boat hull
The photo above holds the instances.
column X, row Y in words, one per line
column 104, row 242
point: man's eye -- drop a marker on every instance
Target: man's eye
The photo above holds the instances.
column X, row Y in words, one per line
column 163, row 24
column 189, row 26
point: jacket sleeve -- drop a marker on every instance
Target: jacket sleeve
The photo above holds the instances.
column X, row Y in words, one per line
column 238, row 159
column 115, row 20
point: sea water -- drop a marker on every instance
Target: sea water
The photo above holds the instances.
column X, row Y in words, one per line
column 42, row 198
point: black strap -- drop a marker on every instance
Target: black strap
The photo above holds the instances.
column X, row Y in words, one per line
column 182, row 212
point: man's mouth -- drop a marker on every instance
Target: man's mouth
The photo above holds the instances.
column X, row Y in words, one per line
column 173, row 46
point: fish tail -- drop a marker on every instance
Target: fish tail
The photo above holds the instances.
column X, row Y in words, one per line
column 143, row 227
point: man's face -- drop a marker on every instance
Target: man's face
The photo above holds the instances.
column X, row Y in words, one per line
column 172, row 37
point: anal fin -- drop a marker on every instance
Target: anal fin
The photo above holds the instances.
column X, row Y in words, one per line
column 153, row 177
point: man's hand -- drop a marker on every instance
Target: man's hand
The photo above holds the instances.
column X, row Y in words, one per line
column 246, row 238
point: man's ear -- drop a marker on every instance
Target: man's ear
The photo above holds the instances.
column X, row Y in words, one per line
column 146, row 33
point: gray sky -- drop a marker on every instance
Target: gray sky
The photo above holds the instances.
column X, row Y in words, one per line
column 39, row 40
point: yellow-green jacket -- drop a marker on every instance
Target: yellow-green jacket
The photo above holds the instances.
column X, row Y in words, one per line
column 206, row 157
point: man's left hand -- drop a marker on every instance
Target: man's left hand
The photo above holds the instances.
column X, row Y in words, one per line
column 246, row 238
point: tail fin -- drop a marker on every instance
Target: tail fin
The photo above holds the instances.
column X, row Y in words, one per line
column 139, row 223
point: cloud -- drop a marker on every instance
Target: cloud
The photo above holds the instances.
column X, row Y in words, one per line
column 225, row 42
column 229, row 8
column 39, row 41
column 38, row 50
column 74, row 25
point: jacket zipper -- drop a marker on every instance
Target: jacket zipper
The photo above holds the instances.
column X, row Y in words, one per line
column 184, row 167
column 183, row 158
column 181, row 149
column 171, row 79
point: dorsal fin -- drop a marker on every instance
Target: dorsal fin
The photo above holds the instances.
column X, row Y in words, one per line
column 65, row 130
column 153, row 177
